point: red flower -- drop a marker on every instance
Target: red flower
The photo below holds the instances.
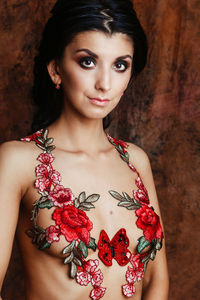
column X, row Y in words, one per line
column 52, row 234
column 46, row 158
column 61, row 196
column 135, row 260
column 74, row 223
column 42, row 170
column 97, row 293
column 141, row 196
column 43, row 184
column 55, row 176
column 131, row 275
column 140, row 184
column 149, row 222
column 33, row 136
column 132, row 167
column 128, row 290
column 49, row 176
column 91, row 265
column 83, row 278
column 97, row 278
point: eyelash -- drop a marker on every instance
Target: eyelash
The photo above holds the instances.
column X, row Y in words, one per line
column 87, row 59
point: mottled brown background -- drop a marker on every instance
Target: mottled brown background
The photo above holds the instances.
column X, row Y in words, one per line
column 163, row 118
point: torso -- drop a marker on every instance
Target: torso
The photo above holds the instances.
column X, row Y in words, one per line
column 47, row 277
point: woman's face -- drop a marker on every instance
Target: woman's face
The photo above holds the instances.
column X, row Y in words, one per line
column 94, row 73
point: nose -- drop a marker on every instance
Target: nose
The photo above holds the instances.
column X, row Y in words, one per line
column 103, row 80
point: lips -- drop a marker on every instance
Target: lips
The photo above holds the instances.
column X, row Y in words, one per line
column 99, row 101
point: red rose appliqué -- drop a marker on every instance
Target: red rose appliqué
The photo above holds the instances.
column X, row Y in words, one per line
column 74, row 223
column 141, row 195
column 61, row 196
column 52, row 234
column 149, row 222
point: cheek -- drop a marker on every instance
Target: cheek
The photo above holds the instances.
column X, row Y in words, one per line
column 121, row 84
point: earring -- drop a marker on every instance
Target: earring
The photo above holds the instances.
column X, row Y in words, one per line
column 57, row 86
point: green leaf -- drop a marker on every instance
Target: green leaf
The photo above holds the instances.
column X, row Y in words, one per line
column 82, row 197
column 126, row 159
column 30, row 233
column 158, row 245
column 45, row 246
column 127, row 197
column 48, row 142
column 84, row 208
column 82, row 246
column 145, row 258
column 76, row 203
column 120, row 149
column 50, row 148
column 87, row 205
column 92, row 245
column 69, row 247
column 153, row 255
column 40, row 140
column 143, row 243
column 73, row 270
column 124, row 203
column 126, row 154
column 69, row 258
column 132, row 207
column 39, row 238
column 93, row 198
column 44, row 193
column 116, row 195
column 136, row 203
column 77, row 253
column 45, row 134
column 77, row 262
column 41, row 147
column 46, row 204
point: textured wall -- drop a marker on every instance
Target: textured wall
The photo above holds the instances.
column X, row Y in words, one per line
column 163, row 118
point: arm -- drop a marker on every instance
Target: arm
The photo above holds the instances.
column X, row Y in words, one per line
column 156, row 280
column 10, row 196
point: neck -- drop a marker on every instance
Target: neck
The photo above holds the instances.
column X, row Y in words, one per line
column 80, row 134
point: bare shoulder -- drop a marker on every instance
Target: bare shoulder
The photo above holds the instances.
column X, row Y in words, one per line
column 17, row 161
column 139, row 159
column 16, row 152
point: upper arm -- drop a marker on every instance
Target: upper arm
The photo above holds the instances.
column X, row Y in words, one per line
column 11, row 191
column 157, row 272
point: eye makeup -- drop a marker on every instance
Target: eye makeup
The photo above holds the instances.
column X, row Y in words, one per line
column 87, row 62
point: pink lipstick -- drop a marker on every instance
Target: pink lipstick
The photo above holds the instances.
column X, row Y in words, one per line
column 99, row 101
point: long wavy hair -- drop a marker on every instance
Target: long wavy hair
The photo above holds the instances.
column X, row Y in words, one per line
column 70, row 17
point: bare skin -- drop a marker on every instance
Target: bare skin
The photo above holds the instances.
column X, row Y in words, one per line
column 87, row 162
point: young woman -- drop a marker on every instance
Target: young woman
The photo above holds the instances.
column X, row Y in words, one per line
column 82, row 203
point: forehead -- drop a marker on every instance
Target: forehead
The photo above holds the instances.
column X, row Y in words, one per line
column 100, row 43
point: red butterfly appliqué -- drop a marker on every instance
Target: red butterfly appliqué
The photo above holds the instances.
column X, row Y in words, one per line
column 116, row 248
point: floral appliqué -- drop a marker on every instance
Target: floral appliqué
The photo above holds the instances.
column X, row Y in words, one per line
column 147, row 220
column 70, row 218
column 72, row 222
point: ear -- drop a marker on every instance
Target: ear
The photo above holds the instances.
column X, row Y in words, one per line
column 53, row 71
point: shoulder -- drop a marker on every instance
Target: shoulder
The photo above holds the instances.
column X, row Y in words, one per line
column 139, row 159
column 17, row 160
column 16, row 151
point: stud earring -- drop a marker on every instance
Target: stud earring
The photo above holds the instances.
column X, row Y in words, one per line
column 57, row 86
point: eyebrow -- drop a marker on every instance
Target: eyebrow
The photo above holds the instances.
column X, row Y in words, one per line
column 96, row 56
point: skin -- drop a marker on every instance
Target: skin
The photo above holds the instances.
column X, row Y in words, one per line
column 87, row 162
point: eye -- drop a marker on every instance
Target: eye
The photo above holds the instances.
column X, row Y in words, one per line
column 87, row 62
column 120, row 66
